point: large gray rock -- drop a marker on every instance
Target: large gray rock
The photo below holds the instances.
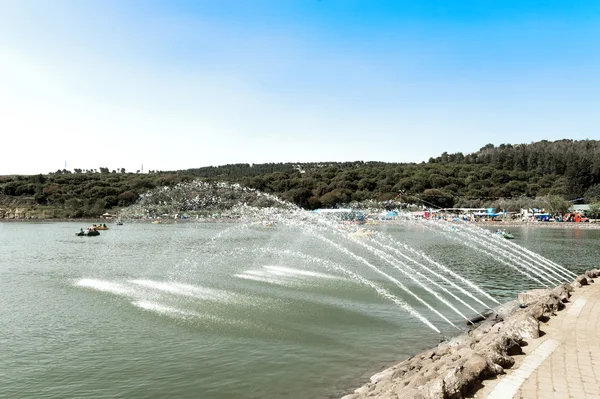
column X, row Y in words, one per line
column 460, row 380
column 522, row 327
column 563, row 291
column 383, row 376
column 499, row 349
column 548, row 306
column 531, row 296
column 507, row 309
column 436, row 389
column 490, row 326
column 538, row 310
column 593, row 273
column 582, row 280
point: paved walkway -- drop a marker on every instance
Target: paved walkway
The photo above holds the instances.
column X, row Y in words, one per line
column 565, row 362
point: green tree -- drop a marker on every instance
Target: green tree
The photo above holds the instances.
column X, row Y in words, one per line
column 595, row 210
column 127, row 198
column 592, row 194
column 74, row 207
column 555, row 204
column 437, row 198
column 299, row 196
column 336, row 197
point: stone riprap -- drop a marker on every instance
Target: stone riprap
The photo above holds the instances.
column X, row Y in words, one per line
column 455, row 369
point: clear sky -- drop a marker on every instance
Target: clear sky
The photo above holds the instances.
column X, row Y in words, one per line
column 182, row 84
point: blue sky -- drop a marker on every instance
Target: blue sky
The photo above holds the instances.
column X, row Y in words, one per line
column 176, row 85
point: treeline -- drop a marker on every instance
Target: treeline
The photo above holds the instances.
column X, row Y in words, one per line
column 567, row 168
column 81, row 194
column 577, row 163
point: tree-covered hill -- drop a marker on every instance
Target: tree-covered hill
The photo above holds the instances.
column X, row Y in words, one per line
column 577, row 163
column 566, row 168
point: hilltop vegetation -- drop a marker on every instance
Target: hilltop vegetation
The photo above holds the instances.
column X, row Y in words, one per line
column 507, row 174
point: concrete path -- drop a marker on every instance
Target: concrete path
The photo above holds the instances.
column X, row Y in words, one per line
column 565, row 362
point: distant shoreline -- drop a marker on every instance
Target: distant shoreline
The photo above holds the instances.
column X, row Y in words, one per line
column 494, row 224
column 113, row 221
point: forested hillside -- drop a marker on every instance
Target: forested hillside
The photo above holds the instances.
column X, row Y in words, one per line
column 576, row 163
column 566, row 168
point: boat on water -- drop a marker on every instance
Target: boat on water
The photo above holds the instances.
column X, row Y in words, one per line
column 505, row 234
column 268, row 223
column 101, row 226
column 156, row 222
column 119, row 223
column 87, row 233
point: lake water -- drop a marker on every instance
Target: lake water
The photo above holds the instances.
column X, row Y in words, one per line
column 224, row 310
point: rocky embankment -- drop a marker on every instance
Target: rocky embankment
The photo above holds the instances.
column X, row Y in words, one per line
column 455, row 369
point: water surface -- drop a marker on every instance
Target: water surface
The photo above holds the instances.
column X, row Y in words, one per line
column 221, row 310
